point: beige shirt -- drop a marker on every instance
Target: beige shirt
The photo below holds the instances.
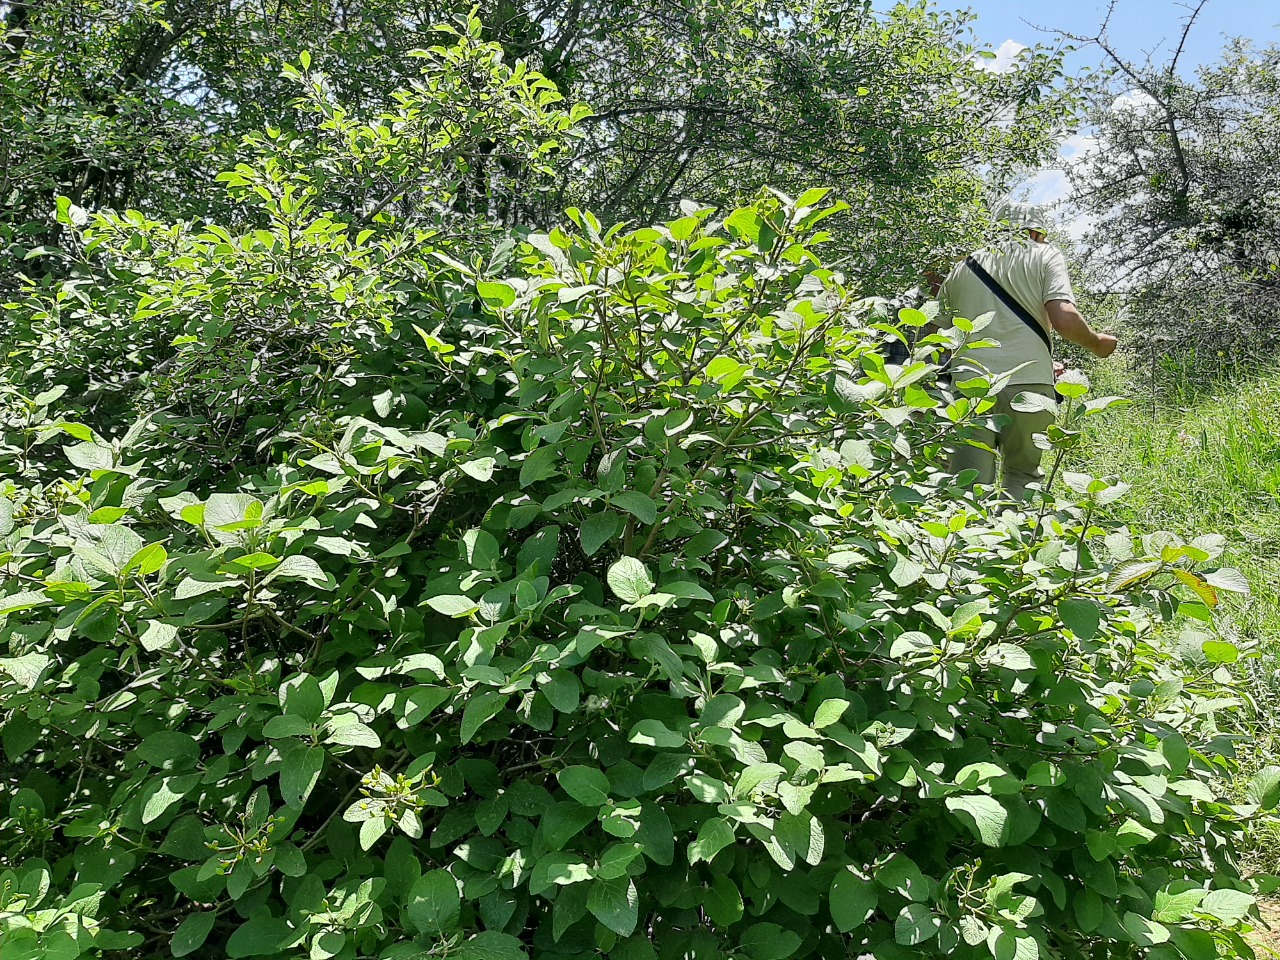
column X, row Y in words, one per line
column 1033, row 273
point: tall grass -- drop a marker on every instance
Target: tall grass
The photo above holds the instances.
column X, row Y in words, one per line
column 1207, row 460
column 1209, row 463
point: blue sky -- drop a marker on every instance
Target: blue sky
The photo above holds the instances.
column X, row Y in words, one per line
column 1137, row 27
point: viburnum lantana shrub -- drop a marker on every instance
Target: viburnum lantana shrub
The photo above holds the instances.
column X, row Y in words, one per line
column 596, row 599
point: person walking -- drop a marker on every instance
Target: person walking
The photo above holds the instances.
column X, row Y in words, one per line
column 1022, row 281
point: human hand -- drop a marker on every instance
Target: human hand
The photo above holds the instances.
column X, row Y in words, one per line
column 1105, row 346
column 1059, row 368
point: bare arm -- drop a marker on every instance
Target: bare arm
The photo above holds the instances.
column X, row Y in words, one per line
column 1073, row 327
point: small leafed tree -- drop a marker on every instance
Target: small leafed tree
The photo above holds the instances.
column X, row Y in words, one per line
column 1184, row 191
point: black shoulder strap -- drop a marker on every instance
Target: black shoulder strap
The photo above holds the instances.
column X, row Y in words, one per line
column 1003, row 295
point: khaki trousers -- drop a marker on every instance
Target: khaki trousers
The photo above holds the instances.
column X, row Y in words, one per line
column 1019, row 455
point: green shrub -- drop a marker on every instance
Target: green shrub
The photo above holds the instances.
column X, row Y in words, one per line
column 616, row 613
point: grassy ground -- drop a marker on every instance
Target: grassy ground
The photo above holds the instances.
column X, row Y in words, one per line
column 1208, row 461
column 1267, row 940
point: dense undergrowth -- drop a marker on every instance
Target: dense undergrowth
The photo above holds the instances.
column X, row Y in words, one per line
column 372, row 590
column 1203, row 455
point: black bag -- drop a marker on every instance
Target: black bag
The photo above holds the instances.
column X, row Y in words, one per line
column 897, row 352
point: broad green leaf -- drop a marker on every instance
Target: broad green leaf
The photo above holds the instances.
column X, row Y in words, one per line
column 563, row 691
column 479, row 469
column 230, row 512
column 541, row 464
column 259, row 937
column 615, row 903
column 972, row 930
column 1080, row 616
column 115, row 546
column 1264, row 787
column 23, row 600
column 901, row 875
column 629, row 579
column 656, row 835
column 192, row 933
column 558, row 869
column 1073, row 384
column 250, row 562
column 434, row 905
column 193, row 513
column 1174, row 747
column 1220, row 651
column 723, row 902
column 453, row 605
column 590, row 787
column 1227, row 905
column 636, row 504
column 769, row 941
column 1007, row 943
column 1008, row 655
column 597, row 530
column 146, row 561
column 1195, row 944
column 481, row 549
column 1131, row 572
column 1144, row 932
column 162, row 796
column 852, row 898
column 191, row 587
column 92, row 455
column 345, row 730
column 297, row 567
column 1031, row 402
column 745, row 223
column 480, row 709
column 299, row 771
column 570, row 906
column 916, row 924
column 655, row 733
column 983, row 815
column 496, row 293
column 1176, row 907
column 287, row 725
column 485, row 946
column 1233, row 581
column 25, row 670
column 828, row 712
column 565, row 821
column 905, row 571
column 164, row 747
column 157, row 635
column 301, row 696
column 713, row 836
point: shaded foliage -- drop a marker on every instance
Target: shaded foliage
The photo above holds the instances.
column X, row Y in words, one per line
column 127, row 105
column 440, row 594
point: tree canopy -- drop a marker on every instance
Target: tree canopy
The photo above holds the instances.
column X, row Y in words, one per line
column 118, row 105
column 1183, row 193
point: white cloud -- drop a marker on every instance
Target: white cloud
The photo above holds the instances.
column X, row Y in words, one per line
column 1051, row 187
column 1077, row 226
column 1047, row 188
column 1077, row 147
column 1006, row 55
column 1132, row 100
